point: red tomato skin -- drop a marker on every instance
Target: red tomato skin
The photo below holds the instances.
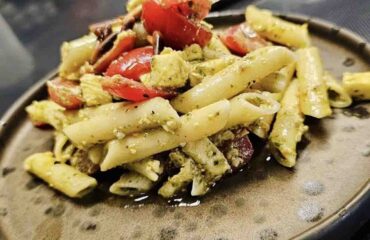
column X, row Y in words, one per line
column 177, row 31
column 194, row 9
column 124, row 45
column 66, row 93
column 131, row 90
column 242, row 39
column 132, row 64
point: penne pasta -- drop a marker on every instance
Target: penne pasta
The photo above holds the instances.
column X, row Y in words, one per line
column 338, row 97
column 357, row 85
column 177, row 182
column 234, row 79
column 207, row 155
column 60, row 176
column 131, row 184
column 248, row 107
column 215, row 49
column 195, row 125
column 203, row 69
column 261, row 127
column 276, row 29
column 313, row 93
column 63, row 149
column 149, row 168
column 288, row 128
column 122, row 121
column 74, row 54
column 278, row 81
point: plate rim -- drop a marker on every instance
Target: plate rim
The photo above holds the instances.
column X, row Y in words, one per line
column 346, row 215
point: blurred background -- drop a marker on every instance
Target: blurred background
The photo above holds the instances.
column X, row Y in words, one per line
column 33, row 30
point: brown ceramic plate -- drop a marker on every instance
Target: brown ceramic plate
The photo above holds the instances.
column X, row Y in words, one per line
column 329, row 184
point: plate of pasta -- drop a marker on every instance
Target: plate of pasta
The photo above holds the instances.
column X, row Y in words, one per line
column 169, row 123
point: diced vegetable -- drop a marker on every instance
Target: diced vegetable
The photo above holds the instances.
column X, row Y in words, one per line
column 65, row 92
column 242, row 39
column 177, row 31
column 131, row 90
column 125, row 42
column 132, row 64
column 194, row 9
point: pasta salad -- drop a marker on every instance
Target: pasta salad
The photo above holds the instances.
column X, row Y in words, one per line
column 162, row 98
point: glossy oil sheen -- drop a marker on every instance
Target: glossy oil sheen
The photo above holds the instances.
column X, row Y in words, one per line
column 266, row 201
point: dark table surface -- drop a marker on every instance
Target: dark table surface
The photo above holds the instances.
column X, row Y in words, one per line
column 32, row 31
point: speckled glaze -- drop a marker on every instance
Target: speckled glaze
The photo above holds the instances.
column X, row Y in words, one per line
column 266, row 201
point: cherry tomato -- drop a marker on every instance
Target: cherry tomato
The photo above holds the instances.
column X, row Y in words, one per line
column 242, row 39
column 120, row 45
column 194, row 9
column 65, row 93
column 177, row 30
column 131, row 90
column 132, row 64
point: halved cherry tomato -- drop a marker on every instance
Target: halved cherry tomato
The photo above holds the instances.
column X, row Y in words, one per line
column 65, row 93
column 177, row 31
column 194, row 9
column 120, row 45
column 131, row 90
column 132, row 64
column 242, row 39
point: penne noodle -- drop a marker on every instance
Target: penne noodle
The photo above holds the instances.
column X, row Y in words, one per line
column 177, row 182
column 234, row 79
column 278, row 81
column 288, row 128
column 149, row 168
column 262, row 125
column 207, row 155
column 195, row 125
column 60, row 176
column 122, row 121
column 313, row 93
column 357, row 85
column 203, row 69
column 131, row 184
column 74, row 54
column 338, row 97
column 276, row 29
column 248, row 107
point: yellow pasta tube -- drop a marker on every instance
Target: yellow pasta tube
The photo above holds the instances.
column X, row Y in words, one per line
column 74, row 54
column 122, row 121
column 60, row 176
column 149, row 168
column 195, row 125
column 131, row 184
column 276, row 29
column 235, row 78
column 208, row 68
column 278, row 81
column 313, row 93
column 357, row 85
column 262, row 125
column 338, row 97
column 205, row 153
column 248, row 107
column 288, row 128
